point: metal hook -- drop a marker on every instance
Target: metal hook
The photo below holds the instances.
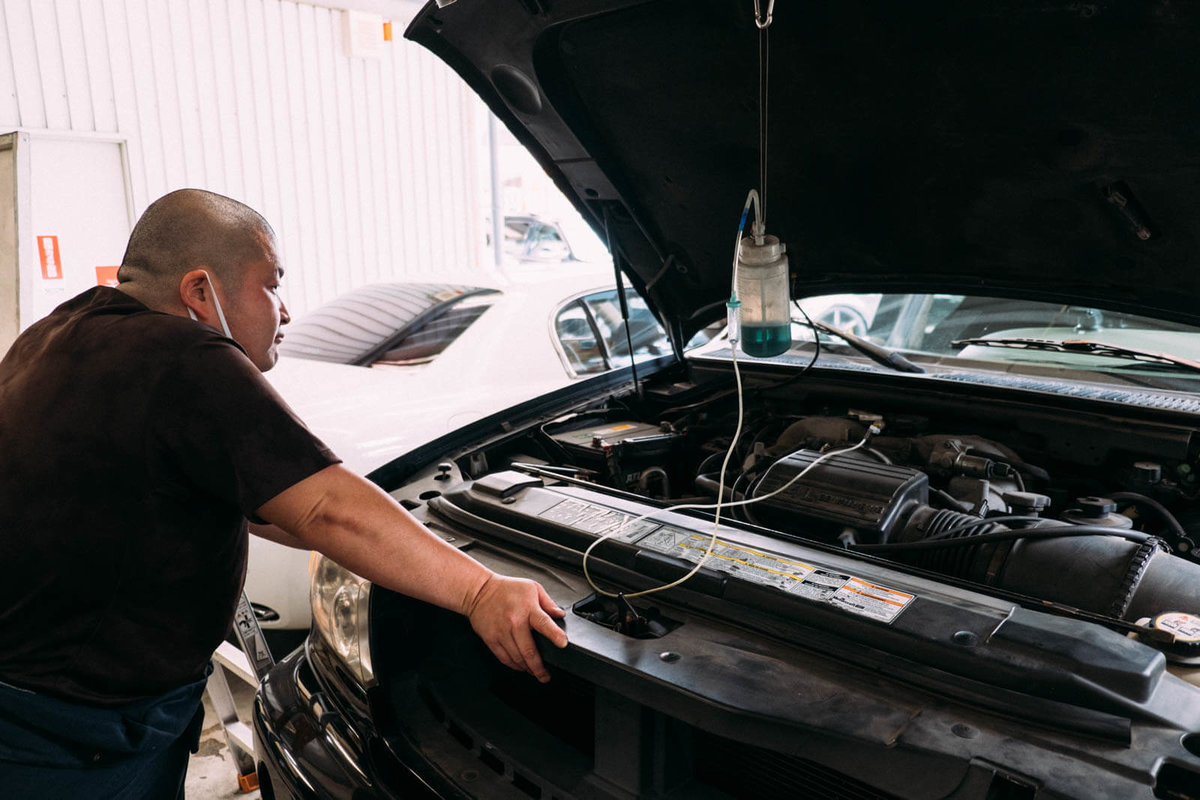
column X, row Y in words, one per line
column 758, row 20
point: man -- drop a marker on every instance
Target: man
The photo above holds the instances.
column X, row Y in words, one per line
column 137, row 435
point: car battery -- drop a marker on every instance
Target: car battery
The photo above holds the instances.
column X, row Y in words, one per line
column 632, row 455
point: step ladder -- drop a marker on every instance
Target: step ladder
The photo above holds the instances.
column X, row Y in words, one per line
column 249, row 664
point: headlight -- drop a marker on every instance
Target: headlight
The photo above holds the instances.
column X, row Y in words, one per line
column 339, row 607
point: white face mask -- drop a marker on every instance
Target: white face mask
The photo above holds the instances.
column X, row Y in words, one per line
column 217, row 302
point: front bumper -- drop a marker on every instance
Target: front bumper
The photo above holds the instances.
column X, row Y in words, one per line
column 311, row 743
column 305, row 747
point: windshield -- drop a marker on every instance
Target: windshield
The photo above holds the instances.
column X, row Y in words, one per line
column 1044, row 338
column 941, row 332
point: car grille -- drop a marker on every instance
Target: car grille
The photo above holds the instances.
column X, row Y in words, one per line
column 762, row 773
column 568, row 714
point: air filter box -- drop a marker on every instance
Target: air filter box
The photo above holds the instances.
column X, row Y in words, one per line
column 846, row 490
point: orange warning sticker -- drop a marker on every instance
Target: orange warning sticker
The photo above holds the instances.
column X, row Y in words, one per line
column 50, row 258
column 870, row 600
column 106, row 276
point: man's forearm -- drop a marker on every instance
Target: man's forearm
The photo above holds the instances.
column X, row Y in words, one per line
column 356, row 524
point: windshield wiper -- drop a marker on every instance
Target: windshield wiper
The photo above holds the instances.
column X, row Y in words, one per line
column 1086, row 347
column 875, row 352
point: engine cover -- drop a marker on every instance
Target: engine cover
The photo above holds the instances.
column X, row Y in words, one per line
column 849, row 490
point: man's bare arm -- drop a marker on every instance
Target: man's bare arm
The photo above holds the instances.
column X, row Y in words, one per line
column 278, row 535
column 358, row 525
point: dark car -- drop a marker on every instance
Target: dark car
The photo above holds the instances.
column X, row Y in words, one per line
column 948, row 554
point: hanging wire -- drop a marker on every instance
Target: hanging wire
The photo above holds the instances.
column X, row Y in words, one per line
column 758, row 200
column 764, row 56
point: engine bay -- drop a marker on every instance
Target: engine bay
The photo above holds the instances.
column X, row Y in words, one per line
column 892, row 555
column 1089, row 509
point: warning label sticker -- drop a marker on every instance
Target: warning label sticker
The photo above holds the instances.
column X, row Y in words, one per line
column 846, row 592
column 742, row 562
column 794, row 577
column 870, row 600
column 599, row 520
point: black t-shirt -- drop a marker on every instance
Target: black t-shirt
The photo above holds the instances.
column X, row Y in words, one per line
column 133, row 445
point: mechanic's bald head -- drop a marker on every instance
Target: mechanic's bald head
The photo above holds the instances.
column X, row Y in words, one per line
column 190, row 229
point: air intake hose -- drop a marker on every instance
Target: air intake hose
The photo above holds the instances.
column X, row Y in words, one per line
column 1108, row 575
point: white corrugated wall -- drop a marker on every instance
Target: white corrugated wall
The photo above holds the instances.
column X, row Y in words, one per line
column 369, row 169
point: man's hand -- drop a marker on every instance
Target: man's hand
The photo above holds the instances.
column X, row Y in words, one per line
column 505, row 611
column 358, row 525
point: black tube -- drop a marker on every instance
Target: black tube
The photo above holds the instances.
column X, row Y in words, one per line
column 1050, row 532
column 1149, row 502
column 1116, row 572
column 977, row 522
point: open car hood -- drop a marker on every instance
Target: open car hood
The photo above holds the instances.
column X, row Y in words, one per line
column 1046, row 150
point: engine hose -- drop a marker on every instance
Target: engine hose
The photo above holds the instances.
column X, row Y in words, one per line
column 970, row 562
column 1142, row 500
column 1133, row 576
column 1125, row 577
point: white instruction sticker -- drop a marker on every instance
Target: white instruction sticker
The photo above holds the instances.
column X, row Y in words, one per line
column 599, row 520
column 670, row 541
column 819, row 585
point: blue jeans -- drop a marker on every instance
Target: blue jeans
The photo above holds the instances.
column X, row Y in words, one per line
column 52, row 748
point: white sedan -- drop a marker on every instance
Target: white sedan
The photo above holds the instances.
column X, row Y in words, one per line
column 388, row 367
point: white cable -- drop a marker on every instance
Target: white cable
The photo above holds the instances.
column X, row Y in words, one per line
column 716, row 521
column 734, row 303
column 718, row 506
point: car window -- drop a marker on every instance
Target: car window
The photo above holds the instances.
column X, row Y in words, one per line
column 966, row 332
column 595, row 338
column 644, row 332
column 429, row 338
column 939, row 323
column 851, row 313
column 579, row 341
column 515, row 231
column 545, row 244
column 1019, row 335
column 361, row 325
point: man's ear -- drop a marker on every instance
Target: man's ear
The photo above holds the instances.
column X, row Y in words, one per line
column 194, row 291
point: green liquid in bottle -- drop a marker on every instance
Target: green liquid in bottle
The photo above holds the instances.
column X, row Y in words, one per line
column 761, row 341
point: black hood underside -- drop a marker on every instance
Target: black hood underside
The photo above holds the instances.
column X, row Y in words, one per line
column 1039, row 150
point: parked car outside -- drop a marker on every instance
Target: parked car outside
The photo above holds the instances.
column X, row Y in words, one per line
column 388, row 367
column 532, row 239
column 952, row 557
column 851, row 313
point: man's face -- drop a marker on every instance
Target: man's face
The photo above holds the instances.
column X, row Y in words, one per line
column 255, row 312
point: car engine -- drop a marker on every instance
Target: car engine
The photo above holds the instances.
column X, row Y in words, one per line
column 1074, row 507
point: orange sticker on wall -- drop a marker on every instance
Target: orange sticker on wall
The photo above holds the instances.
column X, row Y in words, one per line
column 50, row 258
column 106, row 276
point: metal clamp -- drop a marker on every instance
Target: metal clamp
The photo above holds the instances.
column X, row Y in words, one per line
column 758, row 17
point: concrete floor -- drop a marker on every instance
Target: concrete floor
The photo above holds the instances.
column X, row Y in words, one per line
column 212, row 772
